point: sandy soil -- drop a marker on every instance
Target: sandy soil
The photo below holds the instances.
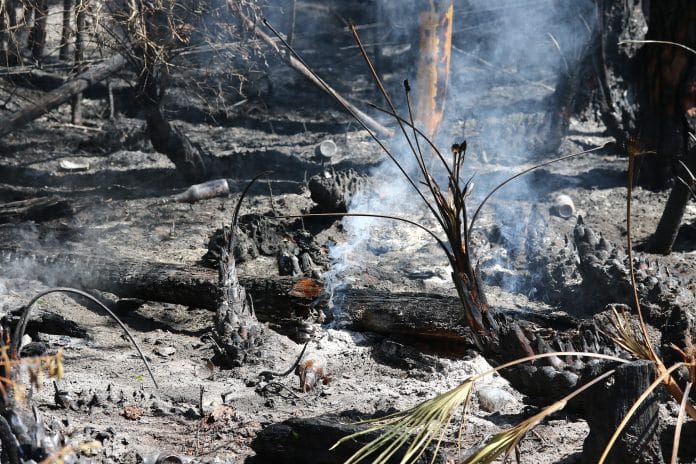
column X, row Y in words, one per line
column 120, row 212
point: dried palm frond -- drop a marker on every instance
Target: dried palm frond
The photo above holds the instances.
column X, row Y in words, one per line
column 424, row 423
column 625, row 336
column 428, row 422
column 505, row 441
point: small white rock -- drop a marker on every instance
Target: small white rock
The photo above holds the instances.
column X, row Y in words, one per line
column 73, row 166
column 165, row 351
column 493, row 399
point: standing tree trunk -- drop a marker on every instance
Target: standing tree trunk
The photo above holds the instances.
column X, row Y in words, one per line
column 649, row 91
column 189, row 159
column 669, row 108
column 65, row 34
column 12, row 57
column 37, row 37
column 80, row 39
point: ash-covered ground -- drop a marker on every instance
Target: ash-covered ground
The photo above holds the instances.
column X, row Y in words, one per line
column 202, row 413
column 119, row 212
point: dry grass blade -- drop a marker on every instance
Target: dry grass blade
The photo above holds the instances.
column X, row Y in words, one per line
column 505, row 441
column 626, row 337
column 633, row 152
column 428, row 421
column 680, row 421
column 672, row 386
column 661, row 378
column 425, row 422
column 662, row 42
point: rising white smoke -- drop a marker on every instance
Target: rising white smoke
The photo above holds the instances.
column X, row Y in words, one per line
column 501, row 48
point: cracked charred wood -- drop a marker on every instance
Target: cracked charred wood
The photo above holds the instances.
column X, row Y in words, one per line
column 62, row 94
column 308, row 440
column 610, row 401
column 332, row 190
column 602, row 266
column 664, row 292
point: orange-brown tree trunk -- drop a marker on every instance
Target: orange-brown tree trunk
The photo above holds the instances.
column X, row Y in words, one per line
column 434, row 50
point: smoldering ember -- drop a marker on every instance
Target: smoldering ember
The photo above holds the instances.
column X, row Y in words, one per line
column 285, row 231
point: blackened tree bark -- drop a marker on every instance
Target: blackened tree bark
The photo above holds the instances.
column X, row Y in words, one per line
column 37, row 37
column 189, row 159
column 8, row 34
column 649, row 91
column 668, row 110
column 64, row 53
column 80, row 41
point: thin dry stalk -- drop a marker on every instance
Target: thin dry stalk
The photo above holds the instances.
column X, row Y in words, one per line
column 680, row 421
column 428, row 422
column 22, row 325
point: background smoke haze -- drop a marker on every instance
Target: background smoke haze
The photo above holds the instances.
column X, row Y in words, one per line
column 506, row 60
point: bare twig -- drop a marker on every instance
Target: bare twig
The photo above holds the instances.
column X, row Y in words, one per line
column 300, row 67
column 268, row 375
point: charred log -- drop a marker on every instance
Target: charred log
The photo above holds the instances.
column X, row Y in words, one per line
column 640, row 441
column 34, row 209
column 279, row 442
column 49, row 322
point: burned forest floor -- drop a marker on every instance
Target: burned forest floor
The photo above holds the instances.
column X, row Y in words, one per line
column 117, row 205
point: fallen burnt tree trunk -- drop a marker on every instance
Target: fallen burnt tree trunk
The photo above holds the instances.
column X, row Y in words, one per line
column 409, row 314
column 310, row 439
column 62, row 94
column 34, row 209
column 412, row 315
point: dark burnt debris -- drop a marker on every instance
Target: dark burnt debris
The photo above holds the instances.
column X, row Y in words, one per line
column 415, row 191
